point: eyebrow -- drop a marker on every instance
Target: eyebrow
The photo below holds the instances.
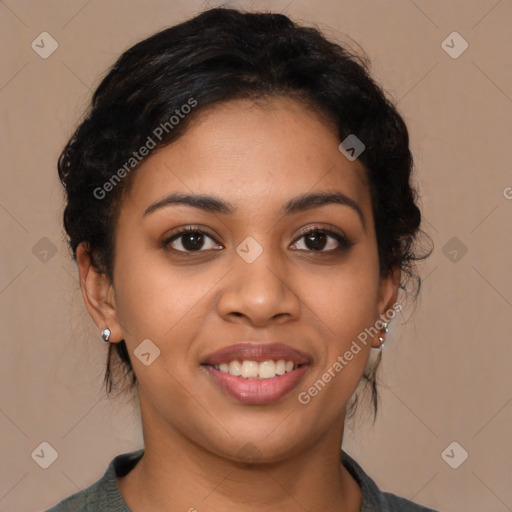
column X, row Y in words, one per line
column 212, row 204
column 315, row 200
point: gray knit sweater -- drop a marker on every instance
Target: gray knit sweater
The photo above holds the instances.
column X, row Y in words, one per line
column 104, row 495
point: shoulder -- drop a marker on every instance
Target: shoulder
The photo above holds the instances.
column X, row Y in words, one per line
column 103, row 494
column 92, row 498
column 403, row 505
column 373, row 499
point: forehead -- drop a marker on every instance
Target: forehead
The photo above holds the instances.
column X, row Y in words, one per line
column 252, row 153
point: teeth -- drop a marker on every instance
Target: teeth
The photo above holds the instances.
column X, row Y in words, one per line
column 267, row 370
column 281, row 367
column 234, row 367
column 250, row 369
column 253, row 370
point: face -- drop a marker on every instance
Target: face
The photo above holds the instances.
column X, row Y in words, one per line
column 279, row 254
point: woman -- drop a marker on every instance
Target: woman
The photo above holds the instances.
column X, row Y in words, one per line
column 240, row 209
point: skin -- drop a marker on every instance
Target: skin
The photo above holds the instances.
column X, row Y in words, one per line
column 257, row 157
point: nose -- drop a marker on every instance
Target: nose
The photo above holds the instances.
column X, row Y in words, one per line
column 258, row 293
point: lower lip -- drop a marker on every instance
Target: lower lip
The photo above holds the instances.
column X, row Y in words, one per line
column 257, row 391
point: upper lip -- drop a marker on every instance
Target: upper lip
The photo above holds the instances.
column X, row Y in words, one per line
column 257, row 352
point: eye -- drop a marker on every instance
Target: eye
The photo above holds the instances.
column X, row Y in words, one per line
column 191, row 240
column 322, row 240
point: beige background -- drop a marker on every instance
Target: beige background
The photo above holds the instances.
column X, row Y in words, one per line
column 446, row 374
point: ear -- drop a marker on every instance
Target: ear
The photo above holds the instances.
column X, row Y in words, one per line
column 98, row 294
column 388, row 293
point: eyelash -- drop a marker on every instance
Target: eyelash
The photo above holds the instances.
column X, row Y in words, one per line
column 343, row 242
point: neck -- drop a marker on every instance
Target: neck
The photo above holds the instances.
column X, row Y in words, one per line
column 176, row 474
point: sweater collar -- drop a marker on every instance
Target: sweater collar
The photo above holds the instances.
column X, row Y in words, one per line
column 122, row 464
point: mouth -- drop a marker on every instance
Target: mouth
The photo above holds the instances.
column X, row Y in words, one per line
column 249, row 369
column 256, row 373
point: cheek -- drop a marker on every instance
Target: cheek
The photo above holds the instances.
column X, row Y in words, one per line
column 343, row 306
column 158, row 302
column 346, row 299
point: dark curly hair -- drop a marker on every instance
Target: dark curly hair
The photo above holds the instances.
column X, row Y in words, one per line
column 221, row 55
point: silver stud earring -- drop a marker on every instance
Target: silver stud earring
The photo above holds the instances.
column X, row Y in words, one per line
column 105, row 334
column 384, row 329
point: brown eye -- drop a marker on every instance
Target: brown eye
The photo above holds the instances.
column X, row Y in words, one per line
column 322, row 240
column 315, row 240
column 191, row 240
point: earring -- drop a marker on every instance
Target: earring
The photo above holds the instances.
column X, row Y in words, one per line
column 105, row 334
column 384, row 329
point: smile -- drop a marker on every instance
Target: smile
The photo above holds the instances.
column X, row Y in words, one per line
column 256, row 373
column 253, row 369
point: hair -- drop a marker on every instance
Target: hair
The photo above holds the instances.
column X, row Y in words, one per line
column 221, row 55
